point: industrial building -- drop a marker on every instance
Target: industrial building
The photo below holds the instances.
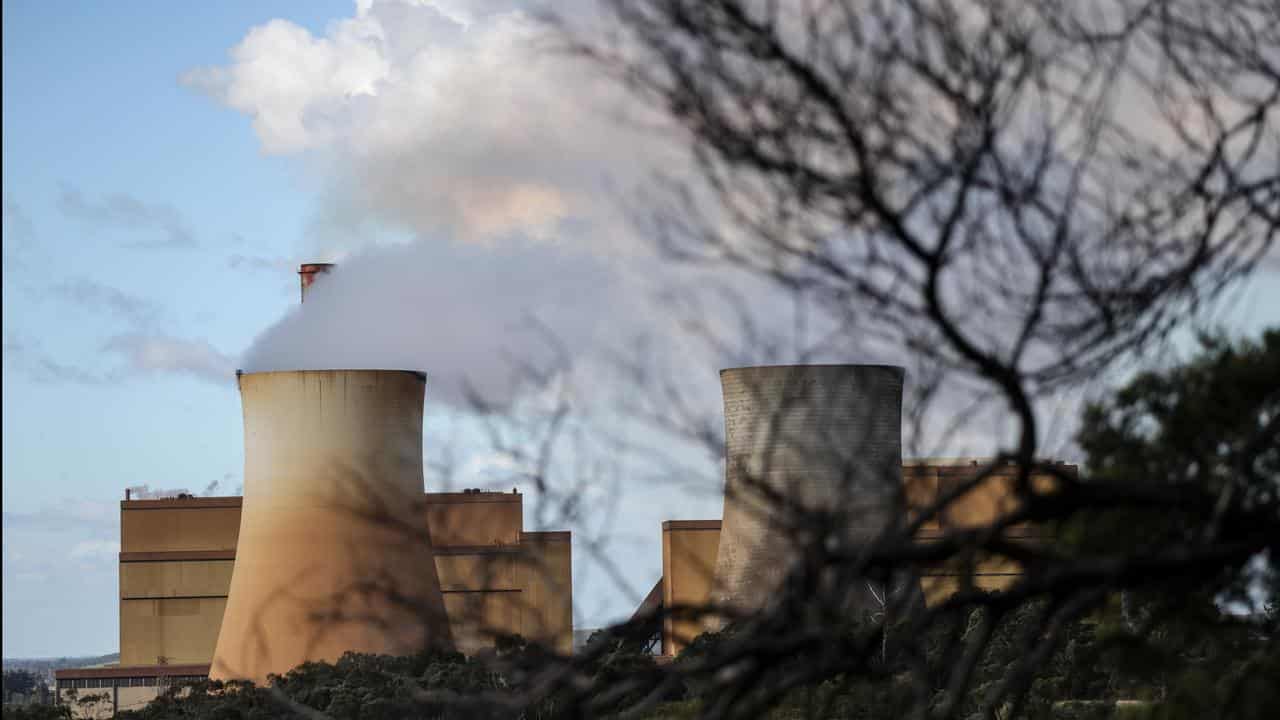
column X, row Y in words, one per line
column 177, row 557
column 245, row 587
column 819, row 441
column 690, row 547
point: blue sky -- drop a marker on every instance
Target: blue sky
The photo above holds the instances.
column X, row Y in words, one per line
column 166, row 166
column 93, row 110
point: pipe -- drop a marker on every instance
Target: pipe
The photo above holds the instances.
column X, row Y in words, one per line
column 307, row 273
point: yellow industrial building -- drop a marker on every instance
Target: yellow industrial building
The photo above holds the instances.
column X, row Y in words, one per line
column 689, row 547
column 177, row 557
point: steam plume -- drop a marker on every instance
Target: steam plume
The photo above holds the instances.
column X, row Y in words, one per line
column 466, row 314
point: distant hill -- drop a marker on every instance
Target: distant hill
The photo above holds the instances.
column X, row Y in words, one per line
column 45, row 666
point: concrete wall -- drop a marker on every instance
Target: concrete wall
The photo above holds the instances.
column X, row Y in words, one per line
column 169, row 630
column 175, row 578
column 690, row 547
column 176, row 561
column 470, row 568
column 106, row 690
column 186, row 524
column 982, row 505
column 136, row 698
column 688, row 566
column 547, row 582
column 475, row 519
column 477, row 616
column 986, row 503
column 94, row 704
column 481, row 587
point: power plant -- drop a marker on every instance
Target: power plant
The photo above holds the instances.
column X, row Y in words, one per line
column 335, row 546
column 808, row 445
column 332, row 556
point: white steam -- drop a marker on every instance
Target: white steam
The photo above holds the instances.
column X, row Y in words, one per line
column 470, row 316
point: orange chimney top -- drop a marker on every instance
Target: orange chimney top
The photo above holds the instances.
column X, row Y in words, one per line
column 307, row 273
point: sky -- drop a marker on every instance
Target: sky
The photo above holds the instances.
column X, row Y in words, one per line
column 166, row 166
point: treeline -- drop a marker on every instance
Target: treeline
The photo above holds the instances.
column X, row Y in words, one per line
column 1205, row 663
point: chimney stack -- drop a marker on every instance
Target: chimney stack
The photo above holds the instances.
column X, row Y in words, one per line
column 307, row 273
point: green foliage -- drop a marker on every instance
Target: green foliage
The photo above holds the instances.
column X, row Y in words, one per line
column 1207, row 426
column 382, row 687
column 356, row 687
column 20, row 681
column 36, row 712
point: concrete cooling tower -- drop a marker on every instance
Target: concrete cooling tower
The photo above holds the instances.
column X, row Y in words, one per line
column 327, row 559
column 809, row 437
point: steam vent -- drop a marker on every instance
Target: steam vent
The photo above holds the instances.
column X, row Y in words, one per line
column 332, row 485
column 818, row 437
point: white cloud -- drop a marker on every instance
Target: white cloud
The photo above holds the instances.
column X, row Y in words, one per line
column 95, row 550
column 19, row 233
column 290, row 82
column 282, row 266
column 121, row 210
column 88, row 293
column 149, row 354
column 439, row 118
column 68, row 514
column 27, row 356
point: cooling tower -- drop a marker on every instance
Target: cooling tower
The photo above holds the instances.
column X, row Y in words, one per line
column 803, row 438
column 332, row 554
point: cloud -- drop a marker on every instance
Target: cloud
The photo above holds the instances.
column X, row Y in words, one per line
column 143, row 349
column 19, row 233
column 95, row 550
column 141, row 355
column 123, row 211
column 91, row 294
column 69, row 514
column 157, row 354
column 440, row 118
column 238, row 261
column 18, row 228
column 445, row 122
column 26, row 356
